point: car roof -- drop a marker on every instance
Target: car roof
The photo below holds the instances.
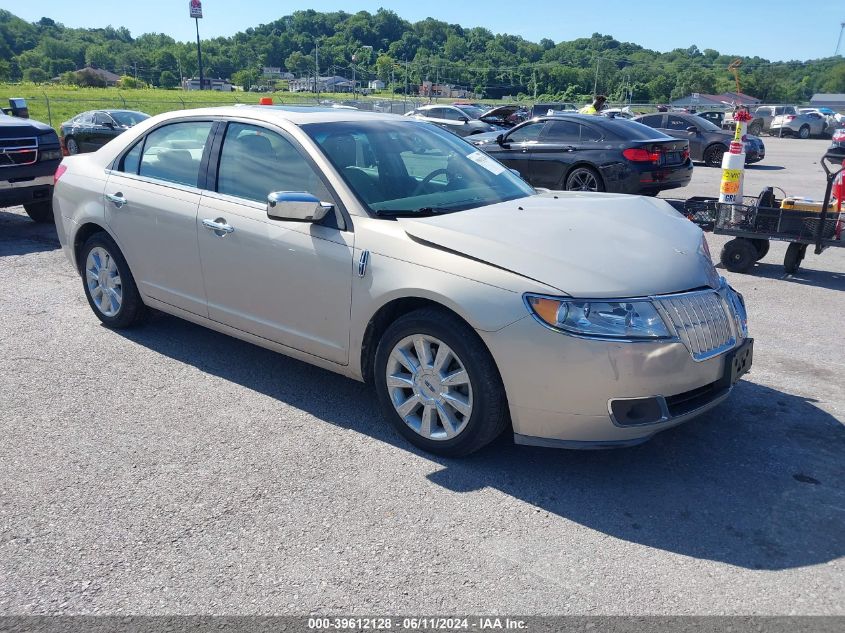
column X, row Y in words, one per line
column 297, row 115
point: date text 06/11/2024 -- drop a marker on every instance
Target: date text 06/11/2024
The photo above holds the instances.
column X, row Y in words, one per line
column 415, row 624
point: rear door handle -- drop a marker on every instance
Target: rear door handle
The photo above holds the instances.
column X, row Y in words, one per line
column 219, row 226
column 117, row 199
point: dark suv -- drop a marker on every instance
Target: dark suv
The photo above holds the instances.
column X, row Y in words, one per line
column 29, row 156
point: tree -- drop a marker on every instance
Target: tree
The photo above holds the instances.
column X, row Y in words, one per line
column 130, row 83
column 246, row 79
column 168, row 80
column 299, row 64
column 5, row 69
column 35, row 75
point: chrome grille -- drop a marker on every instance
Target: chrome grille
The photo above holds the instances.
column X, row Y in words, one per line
column 701, row 321
column 18, row 151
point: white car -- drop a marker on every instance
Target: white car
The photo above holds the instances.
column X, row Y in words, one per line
column 393, row 252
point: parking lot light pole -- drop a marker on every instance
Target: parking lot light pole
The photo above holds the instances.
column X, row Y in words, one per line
column 199, row 52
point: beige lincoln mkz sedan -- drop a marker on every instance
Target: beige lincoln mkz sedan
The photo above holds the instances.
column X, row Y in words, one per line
column 393, row 252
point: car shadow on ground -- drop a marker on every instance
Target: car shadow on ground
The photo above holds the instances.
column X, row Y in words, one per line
column 758, row 167
column 804, row 276
column 756, row 483
column 19, row 235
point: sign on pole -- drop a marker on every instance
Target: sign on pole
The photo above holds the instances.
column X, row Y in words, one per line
column 196, row 8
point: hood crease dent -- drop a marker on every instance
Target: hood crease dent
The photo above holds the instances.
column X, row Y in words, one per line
column 585, row 245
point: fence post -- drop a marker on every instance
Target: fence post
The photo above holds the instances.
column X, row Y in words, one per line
column 49, row 113
column 121, row 98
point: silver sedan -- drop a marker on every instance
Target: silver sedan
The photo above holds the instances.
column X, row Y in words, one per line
column 393, row 252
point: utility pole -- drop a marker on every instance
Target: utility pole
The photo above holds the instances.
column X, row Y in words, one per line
column 596, row 82
column 534, row 81
column 839, row 41
column 316, row 69
column 199, row 53
column 407, row 85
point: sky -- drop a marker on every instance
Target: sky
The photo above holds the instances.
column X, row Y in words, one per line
column 773, row 29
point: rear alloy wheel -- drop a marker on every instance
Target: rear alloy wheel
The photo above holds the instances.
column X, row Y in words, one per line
column 41, row 212
column 72, row 147
column 108, row 283
column 584, row 179
column 738, row 255
column 438, row 385
column 804, row 132
column 713, row 155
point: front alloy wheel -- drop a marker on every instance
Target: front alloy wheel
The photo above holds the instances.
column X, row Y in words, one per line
column 429, row 387
column 437, row 383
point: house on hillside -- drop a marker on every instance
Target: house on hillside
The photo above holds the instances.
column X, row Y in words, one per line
column 220, row 85
column 835, row 101
column 324, row 84
column 274, row 72
column 109, row 78
column 376, row 84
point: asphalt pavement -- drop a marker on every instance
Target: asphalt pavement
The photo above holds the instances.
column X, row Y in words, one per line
column 170, row 469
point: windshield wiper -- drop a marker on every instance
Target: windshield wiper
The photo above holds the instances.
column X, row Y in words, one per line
column 421, row 212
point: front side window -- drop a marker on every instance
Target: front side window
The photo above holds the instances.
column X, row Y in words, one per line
column 407, row 167
column 527, row 133
column 174, row 152
column 678, row 124
column 655, row 120
column 101, row 118
column 256, row 162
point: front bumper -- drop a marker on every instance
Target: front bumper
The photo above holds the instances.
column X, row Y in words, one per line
column 561, row 389
column 26, row 189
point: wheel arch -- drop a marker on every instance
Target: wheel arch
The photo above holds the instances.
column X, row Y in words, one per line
column 387, row 314
column 81, row 236
column 582, row 163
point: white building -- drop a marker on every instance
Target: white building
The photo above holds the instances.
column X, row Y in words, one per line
column 220, row 85
column 376, row 84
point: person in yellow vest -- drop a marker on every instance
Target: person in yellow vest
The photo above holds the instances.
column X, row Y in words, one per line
column 595, row 107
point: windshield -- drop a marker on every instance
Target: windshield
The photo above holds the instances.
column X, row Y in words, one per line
column 412, row 167
column 127, row 118
column 471, row 111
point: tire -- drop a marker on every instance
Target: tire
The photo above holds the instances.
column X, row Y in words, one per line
column 584, row 179
column 450, row 432
column 755, row 128
column 41, row 212
column 738, row 255
column 804, row 132
column 125, row 307
column 793, row 258
column 762, row 247
column 713, row 155
column 71, row 146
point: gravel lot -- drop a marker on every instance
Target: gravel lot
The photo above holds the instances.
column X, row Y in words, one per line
column 170, row 469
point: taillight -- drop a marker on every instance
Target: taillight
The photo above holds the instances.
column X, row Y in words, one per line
column 790, row 117
column 839, row 135
column 60, row 170
column 637, row 155
column 685, row 154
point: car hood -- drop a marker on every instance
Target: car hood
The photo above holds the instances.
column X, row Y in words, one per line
column 499, row 113
column 11, row 126
column 484, row 138
column 585, row 245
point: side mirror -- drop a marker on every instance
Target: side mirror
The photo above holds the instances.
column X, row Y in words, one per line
column 296, row 206
column 500, row 140
column 515, row 173
column 692, row 129
column 108, row 124
column 464, row 119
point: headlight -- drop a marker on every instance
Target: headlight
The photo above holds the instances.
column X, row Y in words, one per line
column 51, row 154
column 740, row 315
column 602, row 319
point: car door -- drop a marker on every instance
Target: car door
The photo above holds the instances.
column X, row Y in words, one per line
column 82, row 133
column 102, row 131
column 558, row 147
column 288, row 282
column 152, row 197
column 515, row 150
column 439, row 116
column 677, row 127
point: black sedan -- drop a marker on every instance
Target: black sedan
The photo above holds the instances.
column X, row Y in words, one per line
column 89, row 131
column 707, row 142
column 589, row 153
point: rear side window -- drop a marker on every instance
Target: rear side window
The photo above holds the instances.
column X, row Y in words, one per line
column 174, row 152
column 655, row 120
column 677, row 123
column 562, row 132
column 589, row 134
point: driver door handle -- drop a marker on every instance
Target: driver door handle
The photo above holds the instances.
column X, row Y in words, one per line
column 117, row 199
column 219, row 226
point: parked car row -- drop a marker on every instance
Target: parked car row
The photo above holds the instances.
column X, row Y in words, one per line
column 413, row 261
